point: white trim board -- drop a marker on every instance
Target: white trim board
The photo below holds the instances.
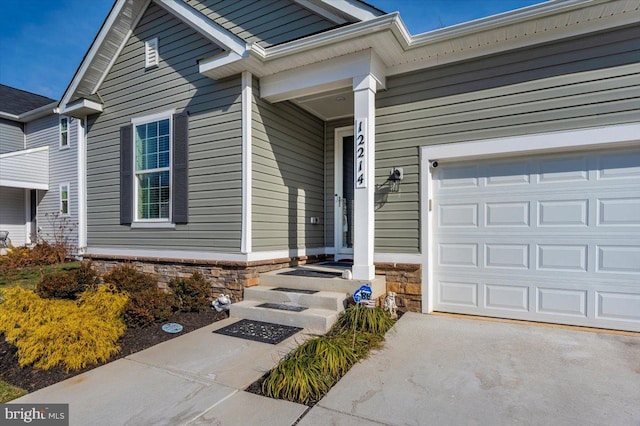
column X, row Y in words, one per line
column 247, row 119
column 570, row 140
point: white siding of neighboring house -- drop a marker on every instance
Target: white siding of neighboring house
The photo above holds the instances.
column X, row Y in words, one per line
column 62, row 169
column 12, row 214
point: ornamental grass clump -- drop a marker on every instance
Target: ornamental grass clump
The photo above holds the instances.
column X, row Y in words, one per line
column 306, row 374
column 65, row 333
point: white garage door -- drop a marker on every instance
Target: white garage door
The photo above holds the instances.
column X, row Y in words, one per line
column 552, row 238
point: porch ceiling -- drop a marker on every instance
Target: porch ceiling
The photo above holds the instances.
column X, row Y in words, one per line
column 330, row 105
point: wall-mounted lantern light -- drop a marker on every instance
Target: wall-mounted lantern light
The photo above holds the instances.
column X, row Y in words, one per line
column 395, row 177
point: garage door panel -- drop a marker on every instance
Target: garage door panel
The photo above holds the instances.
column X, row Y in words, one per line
column 552, row 238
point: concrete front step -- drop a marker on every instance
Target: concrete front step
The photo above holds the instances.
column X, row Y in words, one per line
column 339, row 285
column 330, row 300
column 315, row 319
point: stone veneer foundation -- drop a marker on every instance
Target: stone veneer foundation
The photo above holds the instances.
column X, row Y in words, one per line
column 225, row 277
column 232, row 277
column 405, row 279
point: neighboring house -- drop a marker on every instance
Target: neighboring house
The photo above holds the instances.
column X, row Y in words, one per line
column 38, row 168
column 496, row 169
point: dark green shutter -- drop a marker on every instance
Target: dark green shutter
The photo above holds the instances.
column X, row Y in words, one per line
column 180, row 182
column 126, row 174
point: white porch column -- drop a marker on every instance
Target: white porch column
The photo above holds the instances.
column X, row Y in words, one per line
column 364, row 96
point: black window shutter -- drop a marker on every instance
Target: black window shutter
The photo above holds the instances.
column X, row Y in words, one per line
column 180, row 182
column 126, row 174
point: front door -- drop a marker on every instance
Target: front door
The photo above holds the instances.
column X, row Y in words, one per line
column 344, row 191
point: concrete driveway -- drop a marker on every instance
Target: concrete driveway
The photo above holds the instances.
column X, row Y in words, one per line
column 438, row 370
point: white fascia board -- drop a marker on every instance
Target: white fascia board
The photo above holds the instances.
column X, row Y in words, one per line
column 319, row 77
column 204, row 26
column 86, row 63
column 24, row 185
column 34, row 114
column 24, row 152
column 8, row 116
column 580, row 139
column 501, row 20
column 209, row 66
column 81, row 108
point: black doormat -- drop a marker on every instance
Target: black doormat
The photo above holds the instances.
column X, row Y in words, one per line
column 259, row 331
column 283, row 307
column 294, row 290
column 312, row 274
column 336, row 264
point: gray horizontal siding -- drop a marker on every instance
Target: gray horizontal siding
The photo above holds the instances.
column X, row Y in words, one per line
column 63, row 169
column 266, row 22
column 215, row 148
column 12, row 214
column 577, row 83
column 287, row 179
column 11, row 136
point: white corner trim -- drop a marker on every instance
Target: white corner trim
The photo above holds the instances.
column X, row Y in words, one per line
column 588, row 138
column 82, row 183
column 247, row 101
column 205, row 26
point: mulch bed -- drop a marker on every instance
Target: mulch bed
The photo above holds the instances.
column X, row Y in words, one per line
column 133, row 340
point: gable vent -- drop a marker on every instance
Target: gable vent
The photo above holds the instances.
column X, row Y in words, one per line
column 151, row 53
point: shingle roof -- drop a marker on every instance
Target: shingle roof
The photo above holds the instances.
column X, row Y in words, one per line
column 15, row 101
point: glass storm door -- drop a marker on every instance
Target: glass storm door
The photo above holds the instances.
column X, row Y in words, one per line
column 344, row 191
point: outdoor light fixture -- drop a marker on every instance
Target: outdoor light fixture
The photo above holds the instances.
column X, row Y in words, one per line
column 395, row 177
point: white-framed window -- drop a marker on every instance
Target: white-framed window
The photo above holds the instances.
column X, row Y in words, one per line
column 64, row 132
column 65, row 209
column 152, row 167
column 151, row 53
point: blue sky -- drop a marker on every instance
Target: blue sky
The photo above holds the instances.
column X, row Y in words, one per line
column 42, row 42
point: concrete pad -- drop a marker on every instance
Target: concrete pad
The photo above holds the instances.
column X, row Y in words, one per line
column 443, row 370
column 244, row 408
column 226, row 360
column 127, row 392
column 323, row 416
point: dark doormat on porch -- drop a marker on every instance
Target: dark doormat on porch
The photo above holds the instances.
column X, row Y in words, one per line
column 283, row 307
column 259, row 331
column 312, row 274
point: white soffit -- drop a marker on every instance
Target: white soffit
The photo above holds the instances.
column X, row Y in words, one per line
column 401, row 52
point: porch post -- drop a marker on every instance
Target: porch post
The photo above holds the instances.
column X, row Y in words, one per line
column 364, row 96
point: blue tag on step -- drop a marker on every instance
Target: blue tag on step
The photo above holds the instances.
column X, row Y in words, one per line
column 363, row 293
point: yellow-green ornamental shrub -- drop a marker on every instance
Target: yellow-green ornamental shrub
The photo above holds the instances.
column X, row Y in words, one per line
column 71, row 334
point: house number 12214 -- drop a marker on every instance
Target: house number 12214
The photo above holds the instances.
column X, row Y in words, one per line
column 360, row 153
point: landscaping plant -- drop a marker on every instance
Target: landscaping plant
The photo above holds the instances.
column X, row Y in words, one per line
column 147, row 303
column 71, row 334
column 306, row 374
column 68, row 284
column 191, row 294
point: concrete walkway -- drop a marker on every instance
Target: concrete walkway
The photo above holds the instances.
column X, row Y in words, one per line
column 194, row 379
column 433, row 370
column 437, row 370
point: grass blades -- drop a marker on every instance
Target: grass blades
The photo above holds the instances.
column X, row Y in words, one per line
column 363, row 319
column 9, row 392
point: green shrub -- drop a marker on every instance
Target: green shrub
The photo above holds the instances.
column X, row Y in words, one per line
column 71, row 334
column 334, row 355
column 68, row 284
column 191, row 294
column 362, row 319
column 128, row 278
